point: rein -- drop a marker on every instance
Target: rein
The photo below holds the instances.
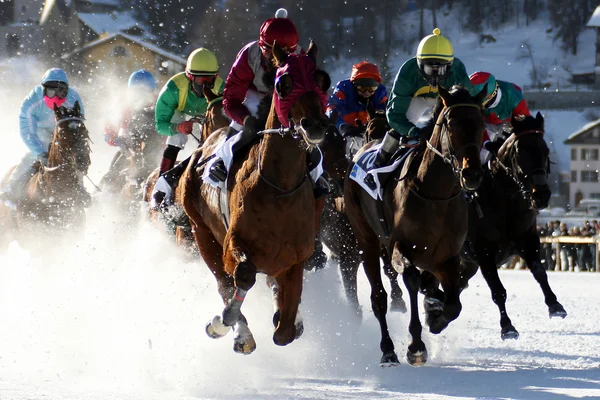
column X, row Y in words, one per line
column 523, row 191
column 451, row 160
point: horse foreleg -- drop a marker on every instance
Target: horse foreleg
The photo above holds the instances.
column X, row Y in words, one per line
column 449, row 277
column 349, row 269
column 490, row 274
column 530, row 252
column 287, row 292
column 416, row 354
column 397, row 303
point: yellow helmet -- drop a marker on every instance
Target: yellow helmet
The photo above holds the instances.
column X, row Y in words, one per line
column 435, row 46
column 202, row 62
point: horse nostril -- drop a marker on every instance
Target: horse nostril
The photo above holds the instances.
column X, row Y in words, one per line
column 324, row 123
column 306, row 123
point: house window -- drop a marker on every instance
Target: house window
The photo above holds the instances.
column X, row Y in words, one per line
column 595, row 196
column 119, row 51
column 573, row 154
column 589, row 176
column 589, row 154
column 573, row 176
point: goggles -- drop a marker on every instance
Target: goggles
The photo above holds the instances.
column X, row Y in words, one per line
column 202, row 79
column 366, row 89
column 436, row 69
column 56, row 91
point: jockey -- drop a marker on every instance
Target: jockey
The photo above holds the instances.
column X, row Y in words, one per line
column 351, row 98
column 36, row 126
column 415, row 90
column 179, row 102
column 503, row 100
column 251, row 78
column 136, row 116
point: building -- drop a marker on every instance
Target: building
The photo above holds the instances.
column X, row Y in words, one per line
column 585, row 163
column 118, row 55
column 594, row 23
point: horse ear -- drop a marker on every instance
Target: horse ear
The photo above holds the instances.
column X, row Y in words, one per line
column 479, row 97
column 279, row 56
column 323, row 80
column 444, row 95
column 77, row 108
column 312, row 51
column 539, row 118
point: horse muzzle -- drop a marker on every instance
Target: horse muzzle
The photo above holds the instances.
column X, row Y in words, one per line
column 540, row 197
column 314, row 132
column 471, row 178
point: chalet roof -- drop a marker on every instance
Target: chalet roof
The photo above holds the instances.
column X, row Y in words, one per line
column 594, row 21
column 108, row 23
column 578, row 136
column 152, row 47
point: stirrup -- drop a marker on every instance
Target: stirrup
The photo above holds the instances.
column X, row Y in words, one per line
column 218, row 172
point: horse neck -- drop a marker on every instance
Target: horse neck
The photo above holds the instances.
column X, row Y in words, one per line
column 436, row 177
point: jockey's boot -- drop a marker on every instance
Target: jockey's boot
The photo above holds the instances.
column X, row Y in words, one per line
column 162, row 189
column 161, row 196
column 218, row 170
column 14, row 190
column 389, row 145
column 321, row 186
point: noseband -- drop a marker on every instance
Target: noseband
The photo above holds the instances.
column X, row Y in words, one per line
column 70, row 160
column 451, row 159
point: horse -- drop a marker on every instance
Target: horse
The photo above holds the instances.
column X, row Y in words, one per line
column 502, row 218
column 424, row 215
column 215, row 120
column 273, row 213
column 335, row 230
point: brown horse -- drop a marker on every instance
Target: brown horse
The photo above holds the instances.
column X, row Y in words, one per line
column 426, row 212
column 54, row 193
column 273, row 213
column 215, row 120
column 335, row 231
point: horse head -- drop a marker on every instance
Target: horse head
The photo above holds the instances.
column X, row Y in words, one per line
column 526, row 155
column 70, row 141
column 459, row 132
column 300, row 93
column 215, row 113
column 377, row 126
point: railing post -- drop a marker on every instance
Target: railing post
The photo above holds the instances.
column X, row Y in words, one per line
column 558, row 263
column 596, row 242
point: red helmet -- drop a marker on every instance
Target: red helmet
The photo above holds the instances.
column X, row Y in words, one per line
column 365, row 71
column 281, row 30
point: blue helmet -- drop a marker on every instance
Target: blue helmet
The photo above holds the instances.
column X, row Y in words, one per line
column 55, row 75
column 142, row 78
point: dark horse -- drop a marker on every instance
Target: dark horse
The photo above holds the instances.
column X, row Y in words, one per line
column 273, row 213
column 502, row 220
column 335, row 231
column 426, row 213
column 54, row 193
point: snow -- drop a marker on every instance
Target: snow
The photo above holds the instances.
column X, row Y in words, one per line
column 595, row 19
column 108, row 23
column 119, row 312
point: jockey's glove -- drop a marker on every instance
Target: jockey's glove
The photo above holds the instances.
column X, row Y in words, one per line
column 185, row 127
column 350, row 130
column 251, row 124
column 43, row 158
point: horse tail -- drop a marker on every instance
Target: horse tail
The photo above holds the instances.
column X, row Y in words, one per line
column 190, row 188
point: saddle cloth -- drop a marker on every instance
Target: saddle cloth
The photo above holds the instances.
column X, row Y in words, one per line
column 363, row 166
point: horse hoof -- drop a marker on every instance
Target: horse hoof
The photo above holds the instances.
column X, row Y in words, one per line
column 509, row 332
column 215, row 328
column 416, row 359
column 299, row 329
column 557, row 311
column 389, row 359
column 398, row 305
column 245, row 347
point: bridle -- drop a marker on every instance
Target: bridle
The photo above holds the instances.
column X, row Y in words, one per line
column 451, row 159
column 69, row 158
column 539, row 175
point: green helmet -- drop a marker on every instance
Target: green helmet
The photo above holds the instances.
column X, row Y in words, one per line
column 435, row 46
column 479, row 80
column 202, row 62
